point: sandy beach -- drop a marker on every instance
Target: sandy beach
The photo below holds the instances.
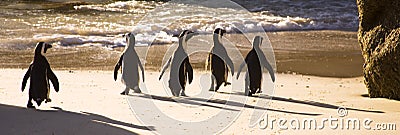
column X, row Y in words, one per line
column 89, row 99
column 89, row 103
column 313, row 47
column 315, row 78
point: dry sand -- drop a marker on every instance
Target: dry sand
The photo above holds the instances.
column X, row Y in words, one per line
column 89, row 100
column 89, row 103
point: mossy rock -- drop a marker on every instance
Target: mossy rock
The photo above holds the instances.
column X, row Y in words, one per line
column 379, row 38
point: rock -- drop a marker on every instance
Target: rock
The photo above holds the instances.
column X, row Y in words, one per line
column 379, row 38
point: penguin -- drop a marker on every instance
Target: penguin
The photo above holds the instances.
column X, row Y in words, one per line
column 40, row 73
column 254, row 60
column 130, row 62
column 218, row 62
column 181, row 69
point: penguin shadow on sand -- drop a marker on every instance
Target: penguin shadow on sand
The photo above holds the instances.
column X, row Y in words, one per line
column 218, row 62
column 19, row 120
column 130, row 62
column 212, row 103
column 40, row 73
column 303, row 102
column 255, row 61
column 181, row 70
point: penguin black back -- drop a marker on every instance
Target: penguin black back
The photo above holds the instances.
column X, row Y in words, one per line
column 181, row 69
column 254, row 68
column 255, row 61
column 40, row 72
column 217, row 60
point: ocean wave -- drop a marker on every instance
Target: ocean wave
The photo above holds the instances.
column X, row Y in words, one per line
column 108, row 41
column 122, row 6
column 102, row 24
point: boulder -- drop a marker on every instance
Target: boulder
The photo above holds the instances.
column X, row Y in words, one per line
column 379, row 38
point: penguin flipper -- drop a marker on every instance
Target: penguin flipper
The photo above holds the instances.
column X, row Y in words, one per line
column 165, row 67
column 26, row 76
column 240, row 69
column 141, row 67
column 229, row 62
column 117, row 67
column 208, row 61
column 268, row 66
column 53, row 79
column 189, row 70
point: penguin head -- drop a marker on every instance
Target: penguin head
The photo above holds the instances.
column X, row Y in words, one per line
column 257, row 41
column 219, row 31
column 130, row 39
column 41, row 48
column 186, row 35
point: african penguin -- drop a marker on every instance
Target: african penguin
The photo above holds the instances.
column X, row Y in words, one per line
column 130, row 62
column 40, row 73
column 218, row 60
column 180, row 66
column 254, row 59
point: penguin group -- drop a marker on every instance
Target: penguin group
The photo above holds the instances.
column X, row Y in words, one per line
column 181, row 70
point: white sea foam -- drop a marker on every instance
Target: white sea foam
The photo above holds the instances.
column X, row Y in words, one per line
column 122, row 6
column 160, row 23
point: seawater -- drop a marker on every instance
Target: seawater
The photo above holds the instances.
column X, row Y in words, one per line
column 102, row 22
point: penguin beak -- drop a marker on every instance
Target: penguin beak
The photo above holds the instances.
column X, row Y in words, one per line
column 48, row 46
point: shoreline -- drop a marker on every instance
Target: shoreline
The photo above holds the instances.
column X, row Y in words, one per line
column 326, row 53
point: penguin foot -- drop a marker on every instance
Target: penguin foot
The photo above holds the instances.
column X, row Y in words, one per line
column 183, row 94
column 137, row 91
column 227, row 83
column 253, row 91
column 217, row 88
column 173, row 93
column 249, row 94
column 30, row 106
column 47, row 100
column 211, row 90
column 124, row 93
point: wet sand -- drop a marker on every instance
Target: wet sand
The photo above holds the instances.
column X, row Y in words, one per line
column 321, row 53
